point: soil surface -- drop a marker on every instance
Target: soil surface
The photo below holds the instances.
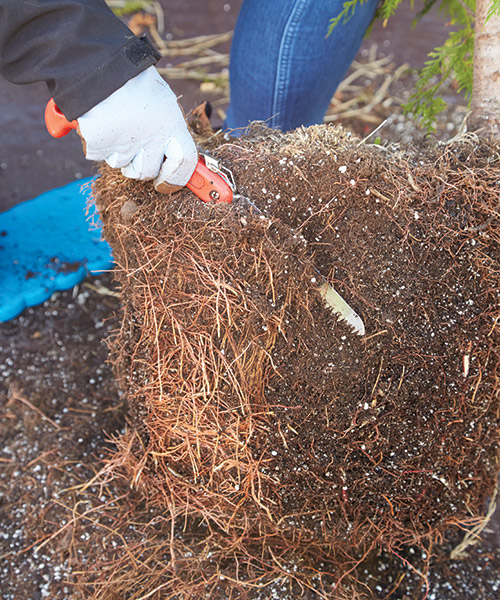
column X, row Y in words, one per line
column 59, row 402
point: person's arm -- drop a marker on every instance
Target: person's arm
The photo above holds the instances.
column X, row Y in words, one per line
column 78, row 47
column 102, row 75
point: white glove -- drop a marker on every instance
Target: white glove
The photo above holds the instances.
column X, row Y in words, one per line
column 141, row 129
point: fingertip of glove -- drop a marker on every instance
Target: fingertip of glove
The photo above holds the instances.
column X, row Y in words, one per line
column 113, row 160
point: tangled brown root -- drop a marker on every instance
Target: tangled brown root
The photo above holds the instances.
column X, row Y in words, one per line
column 273, row 445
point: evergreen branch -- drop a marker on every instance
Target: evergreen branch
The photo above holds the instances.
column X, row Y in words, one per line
column 345, row 14
column 428, row 5
column 460, row 12
column 494, row 9
column 452, row 59
column 388, row 8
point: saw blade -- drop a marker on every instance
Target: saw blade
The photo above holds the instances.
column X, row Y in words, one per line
column 331, row 297
column 340, row 307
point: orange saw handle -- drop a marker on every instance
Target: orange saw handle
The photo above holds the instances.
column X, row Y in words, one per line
column 56, row 123
column 207, row 185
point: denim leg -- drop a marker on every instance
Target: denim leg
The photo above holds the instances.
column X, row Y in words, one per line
column 284, row 69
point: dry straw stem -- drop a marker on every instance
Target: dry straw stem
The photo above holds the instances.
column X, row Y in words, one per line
column 473, row 536
column 198, row 53
column 369, row 88
column 270, row 446
column 15, row 395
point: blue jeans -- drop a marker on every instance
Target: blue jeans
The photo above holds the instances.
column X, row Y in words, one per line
column 283, row 68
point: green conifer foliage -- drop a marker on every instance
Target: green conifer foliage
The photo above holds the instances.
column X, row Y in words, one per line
column 452, row 60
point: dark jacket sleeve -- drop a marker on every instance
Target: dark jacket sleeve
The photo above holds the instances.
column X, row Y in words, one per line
column 78, row 47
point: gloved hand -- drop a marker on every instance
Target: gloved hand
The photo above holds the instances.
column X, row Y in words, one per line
column 141, row 129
